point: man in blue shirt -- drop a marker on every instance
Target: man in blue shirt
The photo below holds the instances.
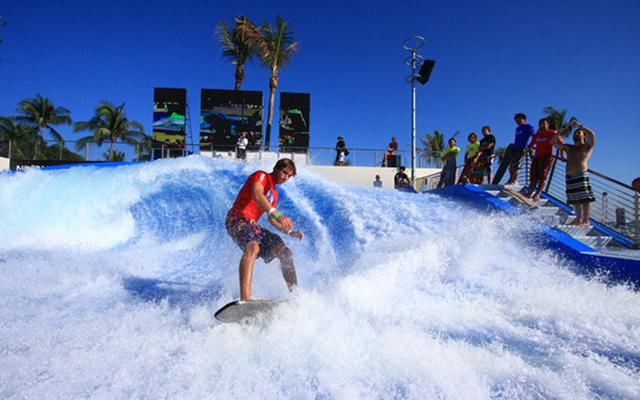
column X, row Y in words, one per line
column 524, row 132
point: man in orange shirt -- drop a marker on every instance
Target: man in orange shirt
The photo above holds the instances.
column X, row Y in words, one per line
column 259, row 196
column 542, row 158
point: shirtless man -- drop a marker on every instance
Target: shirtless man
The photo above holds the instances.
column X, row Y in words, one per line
column 579, row 190
column 259, row 196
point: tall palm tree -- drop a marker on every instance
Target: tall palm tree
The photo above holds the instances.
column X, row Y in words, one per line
column 109, row 123
column 18, row 134
column 556, row 120
column 275, row 46
column 236, row 45
column 42, row 114
column 433, row 145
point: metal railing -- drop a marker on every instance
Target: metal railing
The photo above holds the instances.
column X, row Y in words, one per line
column 315, row 155
column 616, row 205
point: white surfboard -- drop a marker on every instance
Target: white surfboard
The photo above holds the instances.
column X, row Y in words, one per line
column 246, row 310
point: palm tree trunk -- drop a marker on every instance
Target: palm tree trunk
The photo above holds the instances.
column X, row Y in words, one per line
column 111, row 151
column 35, row 143
column 273, row 84
column 239, row 75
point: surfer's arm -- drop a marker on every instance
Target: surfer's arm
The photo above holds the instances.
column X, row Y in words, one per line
column 279, row 221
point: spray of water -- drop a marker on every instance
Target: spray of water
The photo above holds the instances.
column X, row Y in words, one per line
column 111, row 277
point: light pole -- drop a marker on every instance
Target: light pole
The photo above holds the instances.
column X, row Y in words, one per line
column 414, row 61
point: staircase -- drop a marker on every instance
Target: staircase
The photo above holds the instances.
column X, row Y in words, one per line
column 548, row 212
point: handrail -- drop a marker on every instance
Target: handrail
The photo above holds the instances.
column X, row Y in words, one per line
column 619, row 209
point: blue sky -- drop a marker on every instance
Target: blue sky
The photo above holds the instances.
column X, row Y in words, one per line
column 493, row 60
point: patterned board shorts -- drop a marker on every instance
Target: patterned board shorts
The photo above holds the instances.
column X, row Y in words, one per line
column 243, row 231
column 540, row 167
column 579, row 188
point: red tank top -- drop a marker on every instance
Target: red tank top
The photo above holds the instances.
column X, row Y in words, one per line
column 245, row 205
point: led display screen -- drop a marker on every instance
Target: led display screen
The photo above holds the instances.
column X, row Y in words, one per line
column 226, row 114
column 294, row 122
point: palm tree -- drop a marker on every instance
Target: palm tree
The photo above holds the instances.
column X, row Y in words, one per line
column 434, row 145
column 42, row 114
column 109, row 123
column 275, row 47
column 116, row 156
column 556, row 120
column 18, row 134
column 144, row 149
column 235, row 45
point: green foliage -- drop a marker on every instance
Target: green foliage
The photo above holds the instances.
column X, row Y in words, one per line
column 109, row 123
column 21, row 137
column 556, row 120
column 42, row 114
column 116, row 156
column 433, row 146
column 57, row 152
column 274, row 46
column 236, row 45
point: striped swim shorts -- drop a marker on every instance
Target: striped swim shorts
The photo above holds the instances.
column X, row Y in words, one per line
column 579, row 188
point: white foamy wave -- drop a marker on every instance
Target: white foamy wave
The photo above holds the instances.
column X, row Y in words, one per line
column 111, row 277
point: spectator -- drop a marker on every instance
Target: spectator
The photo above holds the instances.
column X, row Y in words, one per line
column 523, row 132
column 241, row 151
column 377, row 183
column 636, row 185
column 449, row 155
column 401, row 179
column 391, row 150
column 470, row 156
column 341, row 151
column 482, row 166
column 542, row 158
column 579, row 191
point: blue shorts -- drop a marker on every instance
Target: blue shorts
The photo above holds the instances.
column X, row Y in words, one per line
column 243, row 231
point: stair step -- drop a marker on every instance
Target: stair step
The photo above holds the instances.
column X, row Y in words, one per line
column 575, row 231
column 594, row 241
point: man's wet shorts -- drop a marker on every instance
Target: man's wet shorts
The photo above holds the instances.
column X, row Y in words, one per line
column 517, row 157
column 243, row 231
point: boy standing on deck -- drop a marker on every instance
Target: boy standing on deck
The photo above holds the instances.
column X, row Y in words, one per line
column 523, row 132
column 542, row 158
column 257, row 196
column 470, row 156
column 579, row 191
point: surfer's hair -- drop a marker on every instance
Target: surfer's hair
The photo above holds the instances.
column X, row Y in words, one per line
column 285, row 163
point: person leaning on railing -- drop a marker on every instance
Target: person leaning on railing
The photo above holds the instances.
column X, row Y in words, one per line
column 579, row 191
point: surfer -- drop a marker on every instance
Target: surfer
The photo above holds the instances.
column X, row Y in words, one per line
column 579, row 191
column 258, row 196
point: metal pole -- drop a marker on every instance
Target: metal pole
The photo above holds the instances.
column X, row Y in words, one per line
column 413, row 123
column 412, row 44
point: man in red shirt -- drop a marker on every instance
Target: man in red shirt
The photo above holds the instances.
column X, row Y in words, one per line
column 541, row 159
column 259, row 196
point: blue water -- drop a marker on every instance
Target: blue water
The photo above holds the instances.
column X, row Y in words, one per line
column 110, row 278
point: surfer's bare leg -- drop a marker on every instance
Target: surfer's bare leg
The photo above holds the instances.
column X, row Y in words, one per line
column 282, row 253
column 249, row 256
